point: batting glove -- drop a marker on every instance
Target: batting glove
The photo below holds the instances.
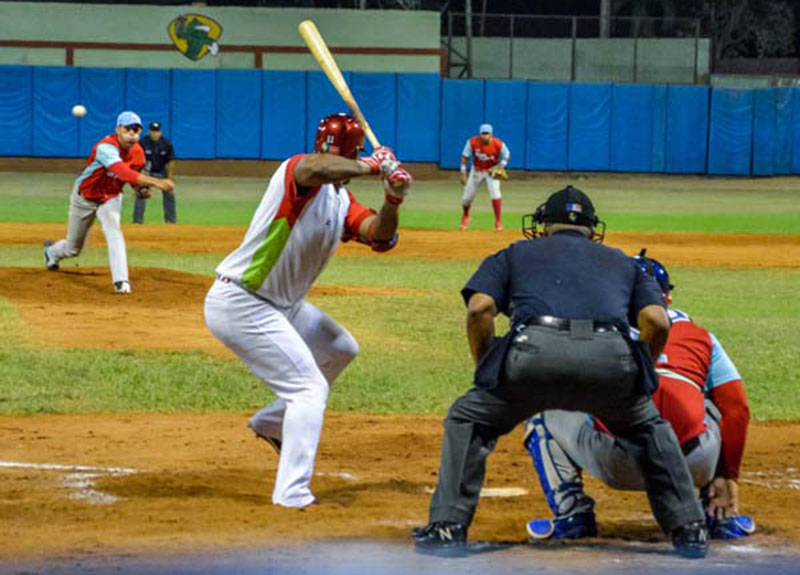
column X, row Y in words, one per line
column 378, row 157
column 396, row 185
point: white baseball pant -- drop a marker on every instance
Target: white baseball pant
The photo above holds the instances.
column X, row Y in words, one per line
column 474, row 181
column 298, row 353
column 82, row 213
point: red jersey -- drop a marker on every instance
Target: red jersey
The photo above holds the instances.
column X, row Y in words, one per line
column 98, row 183
column 694, row 366
column 683, row 370
column 486, row 156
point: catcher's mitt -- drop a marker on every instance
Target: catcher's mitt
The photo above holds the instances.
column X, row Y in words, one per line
column 142, row 192
column 499, row 173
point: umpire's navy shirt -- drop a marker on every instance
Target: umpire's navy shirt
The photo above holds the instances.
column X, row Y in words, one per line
column 158, row 155
column 568, row 276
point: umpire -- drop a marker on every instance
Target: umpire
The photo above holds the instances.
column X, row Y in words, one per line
column 571, row 302
column 159, row 163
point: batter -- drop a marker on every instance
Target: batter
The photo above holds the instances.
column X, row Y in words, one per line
column 256, row 306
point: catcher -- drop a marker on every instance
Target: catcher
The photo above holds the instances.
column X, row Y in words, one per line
column 700, row 393
column 489, row 158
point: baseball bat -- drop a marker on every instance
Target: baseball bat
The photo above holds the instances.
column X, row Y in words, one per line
column 322, row 55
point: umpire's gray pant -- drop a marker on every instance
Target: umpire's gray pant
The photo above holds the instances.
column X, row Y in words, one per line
column 170, row 211
column 558, row 370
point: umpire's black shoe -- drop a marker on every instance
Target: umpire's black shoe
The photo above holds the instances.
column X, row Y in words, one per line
column 445, row 538
column 691, row 541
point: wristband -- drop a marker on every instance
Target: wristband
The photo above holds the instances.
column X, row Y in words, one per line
column 463, row 169
column 392, row 199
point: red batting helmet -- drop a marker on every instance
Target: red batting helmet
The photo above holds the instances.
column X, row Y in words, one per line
column 339, row 134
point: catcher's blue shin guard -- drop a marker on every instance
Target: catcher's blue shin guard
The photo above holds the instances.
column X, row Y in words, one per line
column 560, row 479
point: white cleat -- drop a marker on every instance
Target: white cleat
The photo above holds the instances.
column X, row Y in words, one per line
column 122, row 287
column 52, row 264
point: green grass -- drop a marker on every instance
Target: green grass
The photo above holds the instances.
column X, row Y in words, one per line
column 414, row 356
column 681, row 204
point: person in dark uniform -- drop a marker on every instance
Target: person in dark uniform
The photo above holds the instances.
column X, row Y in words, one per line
column 159, row 163
column 571, row 302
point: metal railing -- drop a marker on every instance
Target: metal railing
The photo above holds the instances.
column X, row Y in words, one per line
column 460, row 59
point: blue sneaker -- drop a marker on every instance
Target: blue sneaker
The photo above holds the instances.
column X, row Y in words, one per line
column 575, row 526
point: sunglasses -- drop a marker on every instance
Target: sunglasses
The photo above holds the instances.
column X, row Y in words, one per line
column 135, row 128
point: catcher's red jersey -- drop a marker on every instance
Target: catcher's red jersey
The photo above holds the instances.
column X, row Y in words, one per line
column 683, row 370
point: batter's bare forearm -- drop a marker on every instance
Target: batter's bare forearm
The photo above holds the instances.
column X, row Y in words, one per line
column 318, row 169
column 385, row 223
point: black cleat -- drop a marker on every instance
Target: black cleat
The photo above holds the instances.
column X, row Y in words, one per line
column 691, row 541
column 273, row 442
column 444, row 538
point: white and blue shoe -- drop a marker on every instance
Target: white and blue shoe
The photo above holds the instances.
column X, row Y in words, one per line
column 576, row 526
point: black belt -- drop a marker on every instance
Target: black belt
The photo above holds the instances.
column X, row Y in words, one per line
column 563, row 324
column 690, row 445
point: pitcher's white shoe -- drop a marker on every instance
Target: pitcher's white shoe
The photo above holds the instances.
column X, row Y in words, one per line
column 51, row 263
column 122, row 287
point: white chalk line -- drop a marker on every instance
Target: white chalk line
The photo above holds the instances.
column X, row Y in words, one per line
column 340, row 474
column 494, row 491
column 787, row 479
column 80, row 480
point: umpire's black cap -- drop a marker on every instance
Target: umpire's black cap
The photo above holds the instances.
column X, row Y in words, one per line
column 569, row 206
column 155, row 126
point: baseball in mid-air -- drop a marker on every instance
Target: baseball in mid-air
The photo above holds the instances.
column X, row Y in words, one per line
column 78, row 111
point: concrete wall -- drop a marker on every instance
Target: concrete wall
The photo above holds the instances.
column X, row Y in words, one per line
column 658, row 60
column 126, row 24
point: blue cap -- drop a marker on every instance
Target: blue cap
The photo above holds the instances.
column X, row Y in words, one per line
column 128, row 118
column 486, row 129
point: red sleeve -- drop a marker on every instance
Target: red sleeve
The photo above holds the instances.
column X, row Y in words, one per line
column 355, row 216
column 124, row 173
column 731, row 401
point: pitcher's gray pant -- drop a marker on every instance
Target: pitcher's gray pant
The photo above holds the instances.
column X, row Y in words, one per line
column 562, row 443
column 82, row 213
column 556, row 370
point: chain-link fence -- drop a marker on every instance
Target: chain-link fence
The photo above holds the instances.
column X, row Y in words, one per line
column 554, row 48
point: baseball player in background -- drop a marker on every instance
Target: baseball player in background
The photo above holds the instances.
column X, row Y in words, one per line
column 256, row 306
column 700, row 394
column 114, row 161
column 489, row 158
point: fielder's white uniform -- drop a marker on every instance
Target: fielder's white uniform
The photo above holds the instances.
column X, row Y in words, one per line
column 256, row 308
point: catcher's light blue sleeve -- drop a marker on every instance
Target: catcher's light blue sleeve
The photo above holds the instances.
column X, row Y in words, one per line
column 721, row 370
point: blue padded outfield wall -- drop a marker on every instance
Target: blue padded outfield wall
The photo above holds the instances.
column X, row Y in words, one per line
column 266, row 114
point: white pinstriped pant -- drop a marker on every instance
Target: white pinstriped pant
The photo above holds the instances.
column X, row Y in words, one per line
column 297, row 353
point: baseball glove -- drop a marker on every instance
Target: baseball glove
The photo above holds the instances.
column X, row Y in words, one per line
column 142, row 192
column 499, row 173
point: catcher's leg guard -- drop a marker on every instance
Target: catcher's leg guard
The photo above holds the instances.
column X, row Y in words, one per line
column 559, row 477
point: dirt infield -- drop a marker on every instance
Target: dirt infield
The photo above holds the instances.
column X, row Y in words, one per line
column 189, row 482
column 199, row 482
column 693, row 249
